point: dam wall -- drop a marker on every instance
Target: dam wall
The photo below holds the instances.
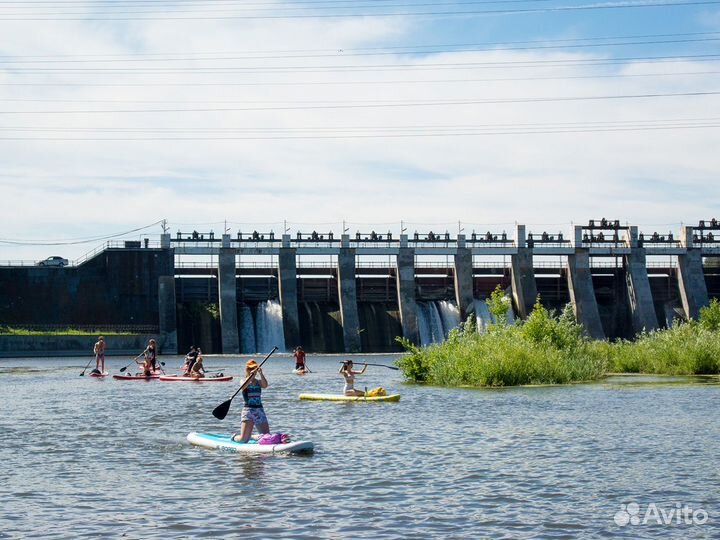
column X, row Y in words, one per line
column 248, row 293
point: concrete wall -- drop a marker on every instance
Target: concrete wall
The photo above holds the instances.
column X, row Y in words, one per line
column 228, row 301
column 463, row 277
column 347, row 293
column 78, row 345
column 287, row 286
column 117, row 287
column 406, row 294
column 582, row 293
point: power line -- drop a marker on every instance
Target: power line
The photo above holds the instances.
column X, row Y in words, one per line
column 437, row 50
column 350, row 68
column 526, row 11
column 386, row 47
column 427, row 103
column 74, row 241
column 358, row 82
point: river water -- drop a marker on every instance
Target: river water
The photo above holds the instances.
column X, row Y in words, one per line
column 89, row 458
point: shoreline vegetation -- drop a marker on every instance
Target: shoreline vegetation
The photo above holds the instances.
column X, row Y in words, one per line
column 549, row 348
column 20, row 331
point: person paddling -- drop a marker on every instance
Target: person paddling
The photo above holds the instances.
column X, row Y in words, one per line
column 300, row 360
column 190, row 358
column 99, row 350
column 253, row 414
column 150, row 353
column 145, row 366
column 346, row 370
column 198, row 369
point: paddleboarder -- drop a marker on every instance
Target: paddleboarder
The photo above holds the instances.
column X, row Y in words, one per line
column 346, row 370
column 190, row 358
column 99, row 350
column 150, row 353
column 253, row 414
column 300, row 359
column 198, row 369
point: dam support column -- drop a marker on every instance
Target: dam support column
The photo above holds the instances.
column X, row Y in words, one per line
column 691, row 278
column 167, row 304
column 582, row 292
column 524, row 289
column 406, row 291
column 464, row 280
column 642, row 308
column 227, row 295
column 287, row 287
column 347, row 294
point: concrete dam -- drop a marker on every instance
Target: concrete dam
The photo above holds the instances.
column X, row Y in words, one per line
column 244, row 293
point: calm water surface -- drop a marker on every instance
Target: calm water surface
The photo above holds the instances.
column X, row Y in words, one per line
column 89, row 458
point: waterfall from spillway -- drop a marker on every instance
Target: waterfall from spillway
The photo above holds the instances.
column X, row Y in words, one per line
column 269, row 327
column 247, row 330
column 484, row 318
column 435, row 320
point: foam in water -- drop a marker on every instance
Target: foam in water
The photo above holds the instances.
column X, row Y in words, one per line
column 435, row 320
column 269, row 327
column 247, row 330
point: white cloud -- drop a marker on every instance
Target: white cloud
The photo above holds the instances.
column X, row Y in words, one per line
column 62, row 188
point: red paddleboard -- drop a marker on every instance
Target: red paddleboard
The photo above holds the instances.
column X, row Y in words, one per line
column 193, row 379
column 136, row 377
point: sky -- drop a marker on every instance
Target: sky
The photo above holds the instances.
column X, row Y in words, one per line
column 115, row 115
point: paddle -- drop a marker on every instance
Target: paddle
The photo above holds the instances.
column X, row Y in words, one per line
column 379, row 365
column 122, row 369
column 220, row 412
column 88, row 365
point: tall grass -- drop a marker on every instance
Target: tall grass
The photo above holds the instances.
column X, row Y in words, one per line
column 19, row 331
column 547, row 349
column 542, row 350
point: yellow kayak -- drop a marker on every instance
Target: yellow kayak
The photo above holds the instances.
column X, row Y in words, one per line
column 338, row 397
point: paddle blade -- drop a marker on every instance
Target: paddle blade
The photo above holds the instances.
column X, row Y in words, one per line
column 82, row 374
column 220, row 412
column 122, row 369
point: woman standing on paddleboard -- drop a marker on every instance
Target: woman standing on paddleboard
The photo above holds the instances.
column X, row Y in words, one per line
column 150, row 353
column 346, row 370
column 253, row 414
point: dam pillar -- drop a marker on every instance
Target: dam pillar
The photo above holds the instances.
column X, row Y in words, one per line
column 287, row 287
column 524, row 289
column 406, row 292
column 582, row 292
column 227, row 294
column 642, row 308
column 464, row 280
column 347, row 293
column 167, row 308
column 691, row 278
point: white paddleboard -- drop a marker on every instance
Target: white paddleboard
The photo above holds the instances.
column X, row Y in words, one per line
column 223, row 442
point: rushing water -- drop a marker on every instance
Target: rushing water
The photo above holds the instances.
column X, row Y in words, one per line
column 88, row 458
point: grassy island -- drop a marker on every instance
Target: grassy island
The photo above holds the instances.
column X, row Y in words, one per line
column 547, row 348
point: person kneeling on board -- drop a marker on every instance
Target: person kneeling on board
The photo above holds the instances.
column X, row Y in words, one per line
column 253, row 414
column 146, row 366
column 197, row 370
column 346, row 370
column 300, row 360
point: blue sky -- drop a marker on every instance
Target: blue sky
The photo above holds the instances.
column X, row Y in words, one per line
column 147, row 126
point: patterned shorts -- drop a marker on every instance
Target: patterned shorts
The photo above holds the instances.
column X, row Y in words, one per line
column 254, row 415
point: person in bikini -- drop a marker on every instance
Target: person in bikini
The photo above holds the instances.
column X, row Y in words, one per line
column 99, row 350
column 346, row 370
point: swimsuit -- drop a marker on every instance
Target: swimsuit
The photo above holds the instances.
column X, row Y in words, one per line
column 253, row 410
